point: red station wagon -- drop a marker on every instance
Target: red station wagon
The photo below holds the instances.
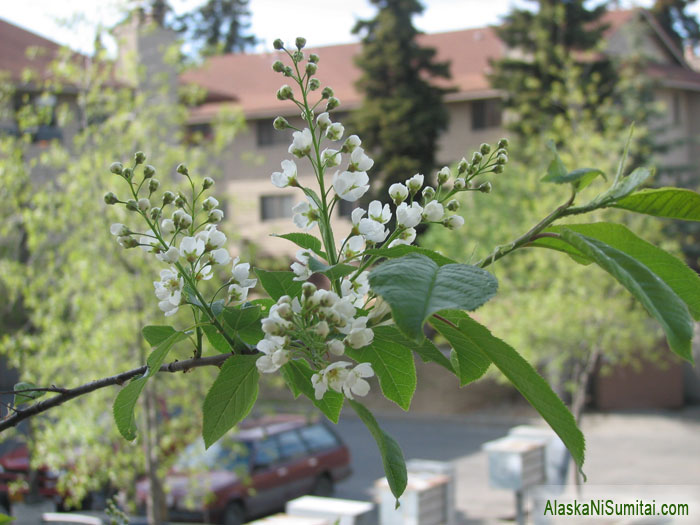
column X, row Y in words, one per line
column 255, row 471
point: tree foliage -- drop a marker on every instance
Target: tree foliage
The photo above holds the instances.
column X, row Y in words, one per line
column 402, row 112
column 679, row 24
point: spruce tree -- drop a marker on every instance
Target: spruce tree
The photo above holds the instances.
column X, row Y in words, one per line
column 402, row 113
column 680, row 25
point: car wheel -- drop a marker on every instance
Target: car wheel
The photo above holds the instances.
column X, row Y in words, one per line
column 323, row 486
column 233, row 514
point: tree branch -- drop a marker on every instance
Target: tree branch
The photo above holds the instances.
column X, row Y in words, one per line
column 119, row 379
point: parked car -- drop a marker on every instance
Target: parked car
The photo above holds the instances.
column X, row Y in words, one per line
column 14, row 469
column 255, row 471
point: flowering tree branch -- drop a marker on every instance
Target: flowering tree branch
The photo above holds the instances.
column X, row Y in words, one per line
column 66, row 394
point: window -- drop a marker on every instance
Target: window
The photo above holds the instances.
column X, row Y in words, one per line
column 266, row 453
column 268, row 136
column 199, row 132
column 276, row 207
column 290, row 444
column 486, row 113
column 318, row 437
column 37, row 115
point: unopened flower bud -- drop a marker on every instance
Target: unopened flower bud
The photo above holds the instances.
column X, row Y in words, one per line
column 180, row 201
column 332, row 104
column 278, row 44
column 336, row 347
column 314, row 84
column 322, row 329
column 119, row 230
column 502, row 159
column 415, row 183
column 503, row 143
column 215, row 216
column 285, row 92
column 308, row 289
column 168, row 197
column 485, row 149
column 498, row 168
column 210, row 203
column 127, row 242
column 297, row 56
column 284, row 299
column 300, row 42
column 139, row 157
column 207, row 183
column 110, row 198
column 462, row 166
column 484, row 187
column 182, row 169
column 327, row 92
column 443, row 175
column 453, row 222
column 288, row 71
column 313, row 57
column 116, row 168
column 153, row 185
column 460, row 184
column 280, row 123
column 132, row 205
column 284, row 310
column 335, row 131
column 398, row 193
column 453, row 205
column 155, row 213
column 148, row 171
column 127, row 173
column 311, row 68
column 477, row 157
column 352, row 142
column 167, row 226
column 144, row 204
column 428, row 193
column 278, row 66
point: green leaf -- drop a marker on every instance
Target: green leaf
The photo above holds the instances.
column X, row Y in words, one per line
column 244, row 322
column 157, row 334
column 332, row 272
column 580, row 178
column 392, row 457
column 304, row 240
column 556, row 168
column 674, row 272
column 26, row 397
column 160, row 352
column 297, row 374
column 425, row 349
column 217, row 307
column 216, row 339
column 404, row 249
column 191, row 295
column 277, row 284
column 416, row 287
column 123, row 407
column 627, row 185
column 230, row 398
column 469, row 361
column 530, row 384
column 658, row 298
column 674, row 203
column 393, row 364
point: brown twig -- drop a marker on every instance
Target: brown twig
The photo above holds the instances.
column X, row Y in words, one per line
column 119, row 379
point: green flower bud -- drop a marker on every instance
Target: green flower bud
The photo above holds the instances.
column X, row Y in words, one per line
column 313, row 58
column 502, row 159
column 280, row 123
column 503, row 143
column 207, row 183
column 127, row 173
column 300, row 42
column 498, row 168
column 153, row 185
column 308, row 289
column 453, row 205
column 182, row 169
column 477, row 157
column 111, row 198
column 155, row 213
column 484, row 187
column 462, row 166
column 443, row 175
column 332, row 104
column 327, row 92
column 501, row 151
column 285, row 93
column 132, row 205
column 311, row 68
column 288, row 71
column 297, row 56
column 485, row 149
column 278, row 44
column 460, row 184
column 116, row 168
column 278, row 66
column 180, row 201
column 139, row 157
column 314, row 84
column 168, row 198
column 127, row 242
column 428, row 193
column 148, row 171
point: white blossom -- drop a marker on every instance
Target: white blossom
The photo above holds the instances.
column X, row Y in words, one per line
column 372, row 230
column 355, row 291
column 218, row 256
column 118, row 230
column 336, row 377
column 359, row 161
column 306, row 214
column 240, row 283
column 354, row 381
column 433, row 211
column 331, row 157
column 379, row 214
column 274, row 354
column 407, row 236
column 216, row 215
column 454, row 221
column 212, row 238
column 352, row 142
column 287, row 176
column 301, row 269
column 359, row 335
column 170, row 256
column 167, row 227
column 356, row 215
column 191, row 248
column 144, row 204
column 335, row 347
column 415, row 183
column 210, row 203
column 335, row 131
column 169, row 291
column 181, row 219
column 301, row 143
column 398, row 193
column 323, row 121
column 351, row 185
column 408, row 216
column 354, row 246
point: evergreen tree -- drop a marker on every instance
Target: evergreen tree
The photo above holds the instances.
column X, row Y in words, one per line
column 680, row 25
column 218, row 27
column 402, row 113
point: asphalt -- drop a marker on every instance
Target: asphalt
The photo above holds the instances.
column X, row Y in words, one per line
column 644, row 455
